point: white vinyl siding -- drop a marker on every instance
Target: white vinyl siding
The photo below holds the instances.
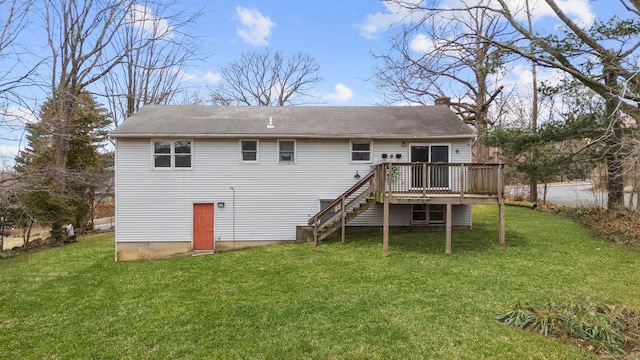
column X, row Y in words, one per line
column 270, row 200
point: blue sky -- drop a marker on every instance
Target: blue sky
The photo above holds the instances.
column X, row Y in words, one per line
column 340, row 34
column 327, row 30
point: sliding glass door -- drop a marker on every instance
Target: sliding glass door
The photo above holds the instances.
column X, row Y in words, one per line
column 437, row 176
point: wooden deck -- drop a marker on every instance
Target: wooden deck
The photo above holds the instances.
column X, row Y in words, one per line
column 439, row 183
column 417, row 183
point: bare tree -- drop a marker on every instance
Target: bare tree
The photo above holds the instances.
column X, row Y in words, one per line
column 533, row 181
column 14, row 75
column 444, row 52
column 80, row 36
column 158, row 47
column 603, row 57
column 267, row 79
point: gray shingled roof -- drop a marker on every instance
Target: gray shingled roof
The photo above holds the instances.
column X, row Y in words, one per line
column 374, row 122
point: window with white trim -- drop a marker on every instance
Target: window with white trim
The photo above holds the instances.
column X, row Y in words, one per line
column 249, row 150
column 360, row 151
column 286, row 151
column 172, row 154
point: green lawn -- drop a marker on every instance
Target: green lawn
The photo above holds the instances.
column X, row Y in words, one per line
column 297, row 301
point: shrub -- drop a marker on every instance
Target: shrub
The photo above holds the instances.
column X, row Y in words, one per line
column 603, row 329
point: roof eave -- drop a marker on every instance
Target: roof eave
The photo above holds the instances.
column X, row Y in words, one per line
column 292, row 136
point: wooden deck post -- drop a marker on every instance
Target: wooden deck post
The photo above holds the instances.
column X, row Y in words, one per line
column 461, row 169
column 501, row 207
column 385, row 228
column 448, row 226
column 424, row 180
column 343, row 215
column 315, row 233
column 501, row 224
column 385, row 223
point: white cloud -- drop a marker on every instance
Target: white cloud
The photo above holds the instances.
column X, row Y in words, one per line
column 341, row 94
column 187, row 76
column 17, row 116
column 378, row 22
column 254, row 28
column 12, row 125
column 421, row 43
column 143, row 17
column 8, row 154
column 521, row 77
column 579, row 11
column 198, row 76
column 210, row 77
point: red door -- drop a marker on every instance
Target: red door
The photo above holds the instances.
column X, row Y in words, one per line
column 202, row 226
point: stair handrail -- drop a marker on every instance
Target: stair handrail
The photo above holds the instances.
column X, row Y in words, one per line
column 349, row 205
column 314, row 219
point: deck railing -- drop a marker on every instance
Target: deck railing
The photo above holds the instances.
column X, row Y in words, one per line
column 440, row 178
column 346, row 201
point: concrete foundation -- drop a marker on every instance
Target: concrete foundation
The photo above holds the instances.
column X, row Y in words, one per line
column 239, row 245
column 136, row 251
column 139, row 251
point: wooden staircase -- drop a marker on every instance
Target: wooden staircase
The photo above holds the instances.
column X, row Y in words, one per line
column 342, row 210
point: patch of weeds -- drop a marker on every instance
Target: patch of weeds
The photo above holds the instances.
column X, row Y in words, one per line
column 603, row 329
column 621, row 226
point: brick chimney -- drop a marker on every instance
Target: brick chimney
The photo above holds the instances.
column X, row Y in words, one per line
column 443, row 100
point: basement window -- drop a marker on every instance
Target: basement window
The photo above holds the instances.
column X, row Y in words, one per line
column 324, row 203
column 428, row 214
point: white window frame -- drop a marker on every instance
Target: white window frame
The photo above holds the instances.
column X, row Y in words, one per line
column 257, row 160
column 292, row 161
column 171, row 154
column 352, row 151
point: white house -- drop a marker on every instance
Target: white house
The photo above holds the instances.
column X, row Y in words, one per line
column 205, row 178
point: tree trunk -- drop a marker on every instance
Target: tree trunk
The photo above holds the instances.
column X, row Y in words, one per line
column 615, row 169
column 482, row 150
column 26, row 234
column 615, row 183
column 65, row 113
column 533, row 181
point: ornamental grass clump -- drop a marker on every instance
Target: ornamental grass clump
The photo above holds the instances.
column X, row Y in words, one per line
column 604, row 329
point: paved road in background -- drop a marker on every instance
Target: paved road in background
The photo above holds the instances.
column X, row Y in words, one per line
column 570, row 194
column 104, row 223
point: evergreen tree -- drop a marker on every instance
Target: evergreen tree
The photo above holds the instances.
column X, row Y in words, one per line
column 42, row 196
column 566, row 147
